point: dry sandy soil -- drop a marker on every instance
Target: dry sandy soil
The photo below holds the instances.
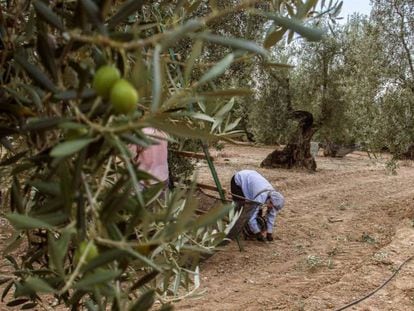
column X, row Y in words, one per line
column 344, row 231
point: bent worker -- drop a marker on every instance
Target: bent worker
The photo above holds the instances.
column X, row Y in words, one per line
column 154, row 158
column 250, row 186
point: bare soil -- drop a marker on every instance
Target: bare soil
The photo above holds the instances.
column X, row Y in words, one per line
column 344, row 231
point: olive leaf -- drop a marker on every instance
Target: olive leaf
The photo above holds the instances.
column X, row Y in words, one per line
column 35, row 73
column 48, row 15
column 70, row 147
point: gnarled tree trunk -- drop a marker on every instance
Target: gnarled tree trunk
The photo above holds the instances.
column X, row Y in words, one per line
column 297, row 152
column 336, row 150
column 408, row 154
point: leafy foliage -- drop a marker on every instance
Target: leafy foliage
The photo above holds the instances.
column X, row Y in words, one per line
column 322, row 68
column 269, row 118
column 349, row 83
column 97, row 239
column 394, row 22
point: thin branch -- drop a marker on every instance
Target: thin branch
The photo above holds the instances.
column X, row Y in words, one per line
column 75, row 273
column 157, row 38
column 89, row 196
column 103, row 179
column 403, row 40
column 132, row 125
column 124, row 244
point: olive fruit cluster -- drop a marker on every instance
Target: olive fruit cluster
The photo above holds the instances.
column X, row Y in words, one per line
column 108, row 83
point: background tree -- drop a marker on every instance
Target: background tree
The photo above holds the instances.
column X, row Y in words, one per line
column 317, row 81
column 314, row 92
column 395, row 22
column 274, row 96
column 268, row 112
column 364, row 61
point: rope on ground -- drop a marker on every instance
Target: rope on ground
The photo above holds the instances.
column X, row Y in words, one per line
column 377, row 289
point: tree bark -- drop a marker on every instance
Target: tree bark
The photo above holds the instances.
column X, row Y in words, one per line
column 297, row 152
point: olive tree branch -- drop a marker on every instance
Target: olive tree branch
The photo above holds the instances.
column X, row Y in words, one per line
column 76, row 272
column 157, row 38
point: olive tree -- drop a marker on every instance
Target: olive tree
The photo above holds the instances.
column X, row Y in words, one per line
column 79, row 82
column 394, row 20
column 364, row 60
column 317, row 84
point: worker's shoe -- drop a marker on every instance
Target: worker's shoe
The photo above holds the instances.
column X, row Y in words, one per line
column 260, row 237
column 269, row 237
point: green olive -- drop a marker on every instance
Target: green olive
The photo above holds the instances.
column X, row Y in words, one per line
column 124, row 97
column 104, row 79
column 76, row 133
column 92, row 252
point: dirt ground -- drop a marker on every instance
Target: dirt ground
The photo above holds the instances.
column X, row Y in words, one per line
column 344, row 231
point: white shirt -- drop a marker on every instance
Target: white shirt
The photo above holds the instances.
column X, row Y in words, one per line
column 254, row 188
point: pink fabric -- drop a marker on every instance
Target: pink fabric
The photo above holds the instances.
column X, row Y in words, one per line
column 153, row 159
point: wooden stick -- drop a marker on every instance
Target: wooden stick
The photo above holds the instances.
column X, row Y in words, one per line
column 241, row 143
column 335, row 220
column 189, row 154
column 209, row 187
